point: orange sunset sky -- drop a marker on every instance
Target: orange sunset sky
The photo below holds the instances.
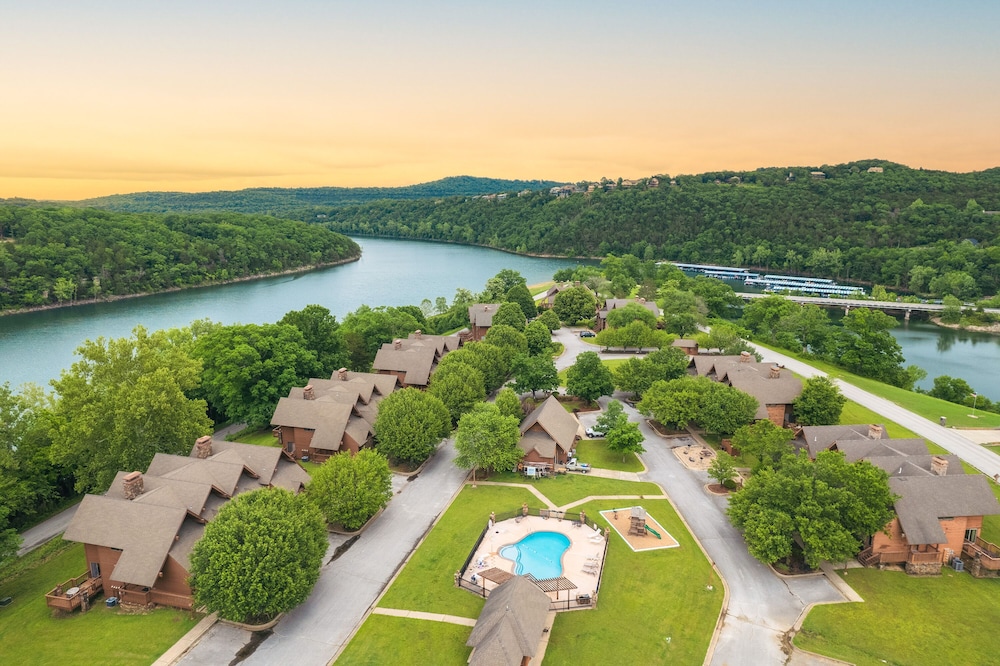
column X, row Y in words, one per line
column 113, row 97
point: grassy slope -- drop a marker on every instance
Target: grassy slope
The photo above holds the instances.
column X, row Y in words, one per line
column 566, row 488
column 596, row 453
column 404, row 642
column 906, row 620
column 924, row 405
column 30, row 634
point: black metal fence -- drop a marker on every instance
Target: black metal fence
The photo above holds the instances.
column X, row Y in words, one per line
column 573, row 602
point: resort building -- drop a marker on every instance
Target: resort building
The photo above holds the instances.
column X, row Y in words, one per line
column 510, row 626
column 328, row 416
column 601, row 322
column 549, row 434
column 480, row 319
column 139, row 535
column 774, row 387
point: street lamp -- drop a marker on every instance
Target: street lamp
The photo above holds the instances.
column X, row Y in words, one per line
column 975, row 397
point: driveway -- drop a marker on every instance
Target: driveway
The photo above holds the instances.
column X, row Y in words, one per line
column 316, row 631
column 982, row 459
column 762, row 605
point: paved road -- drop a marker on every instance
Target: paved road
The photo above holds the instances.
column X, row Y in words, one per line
column 762, row 605
column 982, row 459
column 316, row 631
column 34, row 537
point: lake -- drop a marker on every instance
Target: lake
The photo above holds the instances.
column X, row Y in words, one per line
column 36, row 346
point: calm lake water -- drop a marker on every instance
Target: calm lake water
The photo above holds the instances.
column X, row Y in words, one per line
column 35, row 347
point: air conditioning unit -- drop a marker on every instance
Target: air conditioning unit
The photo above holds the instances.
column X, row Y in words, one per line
column 957, row 564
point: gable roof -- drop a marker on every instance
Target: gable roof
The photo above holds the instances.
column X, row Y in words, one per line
column 263, row 462
column 821, row 438
column 224, row 477
column 755, row 380
column 559, row 426
column 481, row 314
column 924, row 500
column 443, row 343
column 327, row 417
column 144, row 533
column 414, row 361
column 615, row 303
column 856, row 449
column 510, row 625
column 160, row 491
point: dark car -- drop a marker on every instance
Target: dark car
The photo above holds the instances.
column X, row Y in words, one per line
column 587, row 334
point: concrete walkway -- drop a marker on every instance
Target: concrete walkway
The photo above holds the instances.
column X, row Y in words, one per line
column 614, row 474
column 430, row 617
column 534, row 491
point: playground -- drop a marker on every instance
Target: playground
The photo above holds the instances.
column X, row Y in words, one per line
column 639, row 530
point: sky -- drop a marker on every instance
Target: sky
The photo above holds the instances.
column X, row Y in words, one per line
column 110, row 97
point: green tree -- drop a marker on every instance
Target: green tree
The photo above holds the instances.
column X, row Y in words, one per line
column 459, row 386
column 367, row 329
column 625, row 438
column 868, row 348
column 550, row 319
column 538, row 337
column 486, row 439
column 952, row 313
column 508, row 403
column 820, row 402
column 535, row 373
column 123, row 402
column 508, row 339
column 637, row 375
column 410, row 424
column 519, row 294
column 724, row 408
column 613, row 416
column 350, row 489
column 575, row 304
column 322, row 334
column 762, row 315
column 628, row 313
column 491, row 361
column 952, row 389
column 500, row 284
column 828, row 506
column 260, row 556
column 766, row 442
column 249, row 367
column 588, row 378
column 722, row 468
column 510, row 314
column 675, row 403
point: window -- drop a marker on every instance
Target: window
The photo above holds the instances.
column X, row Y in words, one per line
column 95, row 570
column 970, row 535
column 290, row 447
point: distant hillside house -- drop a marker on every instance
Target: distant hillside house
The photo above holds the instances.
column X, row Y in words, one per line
column 412, row 360
column 939, row 512
column 139, row 535
column 602, row 315
column 548, row 434
column 689, row 347
column 329, row 416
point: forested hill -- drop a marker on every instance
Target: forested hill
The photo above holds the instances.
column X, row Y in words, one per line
column 50, row 256
column 898, row 227
column 277, row 201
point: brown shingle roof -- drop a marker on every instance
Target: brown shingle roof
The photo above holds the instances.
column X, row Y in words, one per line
column 144, row 533
column 560, row 426
column 176, row 493
column 414, row 362
column 224, row 477
column 262, row 461
column 924, row 500
column 327, row 417
column 510, row 625
column 481, row 314
column 821, row 438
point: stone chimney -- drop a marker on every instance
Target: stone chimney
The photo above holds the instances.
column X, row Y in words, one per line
column 132, row 485
column 308, row 392
column 939, row 465
column 418, row 334
column 203, row 446
column 397, row 344
column 342, row 374
column 775, row 372
column 745, row 357
column 874, row 431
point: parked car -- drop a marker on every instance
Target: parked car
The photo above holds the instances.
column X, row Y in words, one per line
column 576, row 466
column 588, row 334
column 594, row 432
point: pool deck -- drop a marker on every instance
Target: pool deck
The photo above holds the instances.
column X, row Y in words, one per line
column 585, row 543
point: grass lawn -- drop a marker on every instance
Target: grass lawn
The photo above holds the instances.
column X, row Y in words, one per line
column 924, row 405
column 30, row 634
column 596, row 453
column 263, row 437
column 570, row 487
column 610, row 364
column 907, row 620
column 665, row 592
column 645, row 599
column 401, row 641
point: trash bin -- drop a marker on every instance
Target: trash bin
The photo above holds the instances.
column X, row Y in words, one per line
column 111, row 602
column 944, row 420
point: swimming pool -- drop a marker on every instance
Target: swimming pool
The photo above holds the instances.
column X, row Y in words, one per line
column 539, row 554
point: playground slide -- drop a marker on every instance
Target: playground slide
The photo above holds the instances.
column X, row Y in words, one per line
column 652, row 531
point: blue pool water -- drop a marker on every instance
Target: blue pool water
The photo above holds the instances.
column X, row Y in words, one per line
column 538, row 554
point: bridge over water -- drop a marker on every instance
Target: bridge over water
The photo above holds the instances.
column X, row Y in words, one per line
column 891, row 307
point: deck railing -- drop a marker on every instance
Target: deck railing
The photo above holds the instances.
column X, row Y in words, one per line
column 83, row 588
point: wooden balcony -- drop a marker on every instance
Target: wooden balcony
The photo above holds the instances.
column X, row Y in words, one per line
column 75, row 593
column 988, row 554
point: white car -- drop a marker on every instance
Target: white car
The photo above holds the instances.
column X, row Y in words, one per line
column 595, row 432
column 575, row 466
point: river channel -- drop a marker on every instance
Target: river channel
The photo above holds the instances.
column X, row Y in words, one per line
column 36, row 346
